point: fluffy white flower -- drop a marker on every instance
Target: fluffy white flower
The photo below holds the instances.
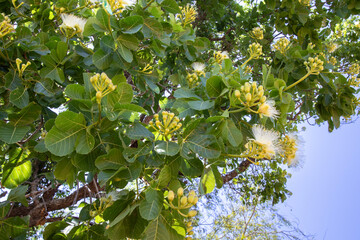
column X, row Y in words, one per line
column 268, row 109
column 268, row 139
column 291, row 144
column 225, row 54
column 198, row 66
column 72, row 21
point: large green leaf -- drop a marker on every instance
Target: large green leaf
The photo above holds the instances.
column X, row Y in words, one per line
column 14, row 228
column 214, row 86
column 12, row 134
column 160, row 229
column 26, row 116
column 125, row 53
column 152, row 27
column 17, row 170
column 18, row 195
column 192, row 167
column 171, row 6
column 231, row 133
column 45, row 87
column 130, row 107
column 85, row 142
column 138, row 131
column 19, row 97
column 122, row 95
column 204, row 145
column 61, row 139
column 201, row 105
column 102, row 59
column 166, row 148
column 75, row 91
column 64, row 169
column 131, row 154
column 113, row 160
column 207, row 182
column 54, row 228
column 150, row 207
column 129, row 41
column 132, row 24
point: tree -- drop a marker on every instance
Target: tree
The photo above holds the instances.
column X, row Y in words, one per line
column 111, row 109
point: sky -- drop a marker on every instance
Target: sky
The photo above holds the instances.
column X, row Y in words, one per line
column 326, row 190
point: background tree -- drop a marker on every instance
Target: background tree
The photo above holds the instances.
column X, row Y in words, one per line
column 110, row 109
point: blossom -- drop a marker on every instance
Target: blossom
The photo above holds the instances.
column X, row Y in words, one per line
column 118, row 5
column 290, row 149
column 73, row 22
column 268, row 140
column 198, row 66
column 268, row 109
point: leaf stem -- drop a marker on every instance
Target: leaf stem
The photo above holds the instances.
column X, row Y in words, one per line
column 298, row 81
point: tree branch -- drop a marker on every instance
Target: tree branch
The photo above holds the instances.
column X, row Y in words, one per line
column 233, row 174
column 39, row 211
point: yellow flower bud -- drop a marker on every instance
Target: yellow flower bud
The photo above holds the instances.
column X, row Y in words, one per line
column 184, row 201
column 180, row 191
column 191, row 199
column 254, row 85
column 98, row 95
column 261, row 93
column 237, row 93
column 171, row 196
column 188, row 224
column 260, row 88
column 247, row 87
column 189, row 229
column 248, row 97
column 196, row 199
column 262, row 99
column 192, row 192
column 242, row 88
column 191, row 233
column 192, row 213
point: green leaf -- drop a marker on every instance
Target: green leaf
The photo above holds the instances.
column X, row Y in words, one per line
column 131, row 154
column 101, row 59
column 231, row 133
column 61, row 139
column 61, row 50
column 113, row 160
column 152, row 27
column 75, row 91
column 84, row 162
column 201, row 144
column 18, row 195
column 53, row 228
column 150, row 208
column 45, row 87
column 164, row 177
column 89, row 26
column 103, row 18
column 85, row 142
column 12, row 134
column 138, row 131
column 132, row 24
column 207, row 182
column 129, row 107
column 14, row 228
column 16, row 175
column 214, row 86
column 159, row 229
column 166, row 148
column 19, row 97
column 125, row 53
column 201, row 105
column 185, row 93
column 54, row 73
column 107, row 43
column 170, row 6
column 64, row 169
column 26, row 116
column 192, row 167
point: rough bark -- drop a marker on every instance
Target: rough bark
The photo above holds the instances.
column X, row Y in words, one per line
column 234, row 173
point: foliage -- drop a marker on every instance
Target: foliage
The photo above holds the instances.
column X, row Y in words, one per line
column 117, row 105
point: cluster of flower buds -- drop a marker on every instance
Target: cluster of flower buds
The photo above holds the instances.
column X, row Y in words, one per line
column 255, row 50
column 192, row 79
column 103, row 85
column 332, row 61
column 103, row 204
column 305, row 2
column 257, row 33
column 188, row 15
column 250, row 94
column 311, row 46
column 169, row 124
column 220, row 56
column 354, row 70
column 282, row 45
column 289, row 149
column 5, row 27
column 248, row 70
column 117, row 6
column 183, row 202
column 332, row 47
column 314, row 65
column 147, row 69
column 21, row 67
column 189, row 230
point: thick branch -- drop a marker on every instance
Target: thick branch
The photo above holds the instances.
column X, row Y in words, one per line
column 233, row 174
column 38, row 212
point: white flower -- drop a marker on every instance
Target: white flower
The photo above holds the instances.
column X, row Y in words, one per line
column 129, row 2
column 268, row 109
column 268, row 139
column 198, row 66
column 225, row 54
column 72, row 21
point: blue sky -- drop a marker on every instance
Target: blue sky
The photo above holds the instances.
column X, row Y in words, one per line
column 326, row 191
